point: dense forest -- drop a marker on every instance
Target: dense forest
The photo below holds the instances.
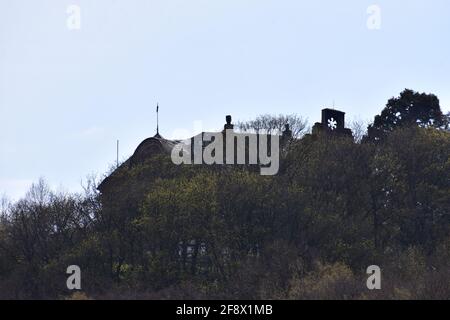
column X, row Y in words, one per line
column 337, row 206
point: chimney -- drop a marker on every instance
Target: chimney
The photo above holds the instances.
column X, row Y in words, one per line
column 287, row 133
column 228, row 125
column 333, row 119
column 333, row 122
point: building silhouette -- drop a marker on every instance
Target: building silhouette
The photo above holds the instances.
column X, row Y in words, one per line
column 332, row 123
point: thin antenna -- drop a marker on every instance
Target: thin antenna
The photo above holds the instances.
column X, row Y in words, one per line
column 117, row 155
column 157, row 118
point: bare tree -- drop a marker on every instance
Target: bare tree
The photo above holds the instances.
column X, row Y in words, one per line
column 273, row 124
column 39, row 193
column 359, row 129
column 4, row 206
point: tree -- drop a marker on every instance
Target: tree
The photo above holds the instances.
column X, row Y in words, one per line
column 359, row 129
column 37, row 236
column 163, row 231
column 409, row 109
column 447, row 121
column 272, row 124
column 423, row 175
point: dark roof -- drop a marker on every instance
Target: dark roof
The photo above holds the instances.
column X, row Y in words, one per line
column 145, row 150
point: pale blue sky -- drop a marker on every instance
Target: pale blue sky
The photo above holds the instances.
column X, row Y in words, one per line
column 66, row 96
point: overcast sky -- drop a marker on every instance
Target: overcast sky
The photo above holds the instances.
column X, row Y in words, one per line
column 67, row 95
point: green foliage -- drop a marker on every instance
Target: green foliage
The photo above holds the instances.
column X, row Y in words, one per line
column 409, row 109
column 166, row 231
column 412, row 107
column 332, row 281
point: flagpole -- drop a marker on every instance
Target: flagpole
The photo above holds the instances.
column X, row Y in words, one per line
column 157, row 118
column 117, row 153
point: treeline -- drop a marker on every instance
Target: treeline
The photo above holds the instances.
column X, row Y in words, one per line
column 188, row 232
